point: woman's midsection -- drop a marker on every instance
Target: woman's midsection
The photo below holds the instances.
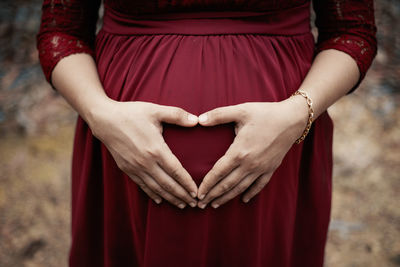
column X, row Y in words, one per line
column 200, row 73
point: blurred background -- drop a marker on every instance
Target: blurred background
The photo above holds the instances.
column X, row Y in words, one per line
column 36, row 135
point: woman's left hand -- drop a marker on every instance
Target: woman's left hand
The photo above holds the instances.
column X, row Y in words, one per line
column 265, row 131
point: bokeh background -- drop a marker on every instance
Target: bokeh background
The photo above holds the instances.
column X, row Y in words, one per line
column 36, row 135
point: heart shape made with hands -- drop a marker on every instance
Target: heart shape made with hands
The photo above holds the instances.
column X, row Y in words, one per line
column 257, row 150
column 210, row 144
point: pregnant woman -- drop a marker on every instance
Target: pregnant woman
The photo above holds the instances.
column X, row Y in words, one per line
column 203, row 137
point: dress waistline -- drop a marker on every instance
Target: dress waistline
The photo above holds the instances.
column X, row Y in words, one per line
column 292, row 21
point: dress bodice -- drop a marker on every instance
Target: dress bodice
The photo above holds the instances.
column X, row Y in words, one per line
column 69, row 26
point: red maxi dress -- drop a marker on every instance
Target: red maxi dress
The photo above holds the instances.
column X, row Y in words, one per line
column 200, row 55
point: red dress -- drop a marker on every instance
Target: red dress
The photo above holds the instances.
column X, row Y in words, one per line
column 199, row 55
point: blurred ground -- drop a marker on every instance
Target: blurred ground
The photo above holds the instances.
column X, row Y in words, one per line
column 36, row 134
column 365, row 225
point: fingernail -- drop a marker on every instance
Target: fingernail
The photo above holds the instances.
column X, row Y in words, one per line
column 203, row 118
column 192, row 204
column 202, row 206
column 192, row 117
column 245, row 200
column 201, row 196
column 215, row 205
column 193, row 194
column 181, row 206
column 158, row 201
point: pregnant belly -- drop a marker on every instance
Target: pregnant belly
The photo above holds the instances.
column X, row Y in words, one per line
column 200, row 73
column 198, row 148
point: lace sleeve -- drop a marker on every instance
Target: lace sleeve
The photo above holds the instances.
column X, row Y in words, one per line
column 67, row 27
column 348, row 26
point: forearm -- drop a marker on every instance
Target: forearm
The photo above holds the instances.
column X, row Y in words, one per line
column 131, row 131
column 332, row 74
column 77, row 80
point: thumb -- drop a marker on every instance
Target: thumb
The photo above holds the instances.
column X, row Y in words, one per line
column 221, row 115
column 176, row 115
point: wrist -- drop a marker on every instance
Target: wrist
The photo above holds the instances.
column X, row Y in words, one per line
column 299, row 114
column 98, row 109
column 310, row 119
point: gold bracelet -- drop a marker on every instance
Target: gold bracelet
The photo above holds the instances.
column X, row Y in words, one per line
column 310, row 114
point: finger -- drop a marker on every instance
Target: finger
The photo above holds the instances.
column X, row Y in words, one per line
column 232, row 179
column 173, row 167
column 146, row 189
column 155, row 187
column 258, row 185
column 176, row 115
column 221, row 115
column 238, row 189
column 170, row 185
column 221, row 168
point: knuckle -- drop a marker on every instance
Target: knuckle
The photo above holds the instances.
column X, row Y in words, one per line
column 225, row 187
column 242, row 155
column 158, row 190
column 240, row 188
column 156, row 111
column 153, row 151
column 268, row 168
column 178, row 112
column 175, row 171
column 210, row 176
column 185, row 198
column 209, row 181
column 141, row 163
column 212, row 115
column 236, row 191
column 253, row 164
column 217, row 175
column 123, row 166
column 168, row 187
column 205, row 184
column 242, row 111
column 216, row 114
column 136, row 179
column 140, row 183
column 266, row 179
column 147, row 191
column 151, row 194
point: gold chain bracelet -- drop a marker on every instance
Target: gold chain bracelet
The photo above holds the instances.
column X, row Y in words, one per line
column 310, row 114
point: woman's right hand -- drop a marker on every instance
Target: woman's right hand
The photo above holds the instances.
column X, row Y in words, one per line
column 132, row 132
